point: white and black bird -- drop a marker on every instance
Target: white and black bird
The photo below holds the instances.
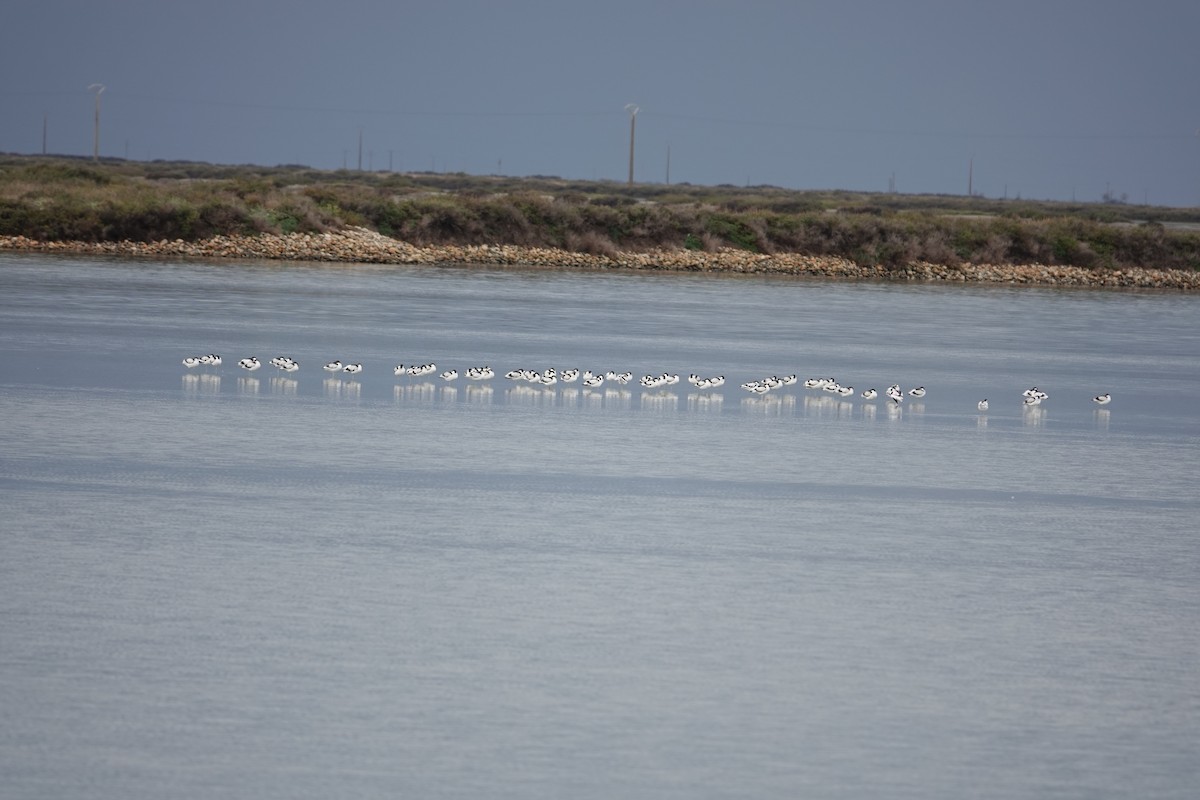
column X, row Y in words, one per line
column 917, row 392
column 333, row 366
column 1102, row 399
column 869, row 394
column 352, row 369
column 249, row 364
column 484, row 373
column 982, row 405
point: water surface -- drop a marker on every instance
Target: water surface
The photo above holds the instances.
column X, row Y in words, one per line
column 221, row 584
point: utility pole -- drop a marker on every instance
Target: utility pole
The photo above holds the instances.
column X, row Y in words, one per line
column 633, row 112
column 668, row 165
column 45, row 123
column 360, row 149
column 971, row 177
column 98, row 88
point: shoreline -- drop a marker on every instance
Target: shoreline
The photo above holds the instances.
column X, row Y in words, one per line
column 361, row 245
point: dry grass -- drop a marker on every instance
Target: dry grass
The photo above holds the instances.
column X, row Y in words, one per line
column 73, row 199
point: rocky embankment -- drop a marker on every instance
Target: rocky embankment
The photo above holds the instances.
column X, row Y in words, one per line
column 366, row 246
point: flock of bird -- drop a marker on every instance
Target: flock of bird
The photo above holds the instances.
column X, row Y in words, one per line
column 551, row 376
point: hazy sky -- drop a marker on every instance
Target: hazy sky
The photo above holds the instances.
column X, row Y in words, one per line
column 1049, row 99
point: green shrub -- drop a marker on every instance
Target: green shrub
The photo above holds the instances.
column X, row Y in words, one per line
column 732, row 229
column 66, row 198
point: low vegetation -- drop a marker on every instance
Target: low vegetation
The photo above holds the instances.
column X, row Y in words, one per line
column 78, row 200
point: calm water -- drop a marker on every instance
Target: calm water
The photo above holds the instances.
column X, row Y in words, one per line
column 214, row 584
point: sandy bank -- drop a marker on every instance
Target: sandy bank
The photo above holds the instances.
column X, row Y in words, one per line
column 365, row 246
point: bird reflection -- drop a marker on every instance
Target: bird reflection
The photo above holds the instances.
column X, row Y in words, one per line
column 660, row 401
column 618, row 398
column 202, row 384
column 284, row 386
column 706, row 402
column 770, row 405
column 828, row 406
column 340, row 389
column 479, row 395
column 530, row 396
column 424, row 392
column 1033, row 416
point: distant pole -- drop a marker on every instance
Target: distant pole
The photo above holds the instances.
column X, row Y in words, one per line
column 668, row 165
column 98, row 88
column 360, row 149
column 45, row 124
column 633, row 112
column 971, row 178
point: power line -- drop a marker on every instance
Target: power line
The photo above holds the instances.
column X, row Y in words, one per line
column 738, row 121
column 98, row 88
column 633, row 112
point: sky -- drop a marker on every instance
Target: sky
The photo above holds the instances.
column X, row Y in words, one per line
column 1053, row 99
